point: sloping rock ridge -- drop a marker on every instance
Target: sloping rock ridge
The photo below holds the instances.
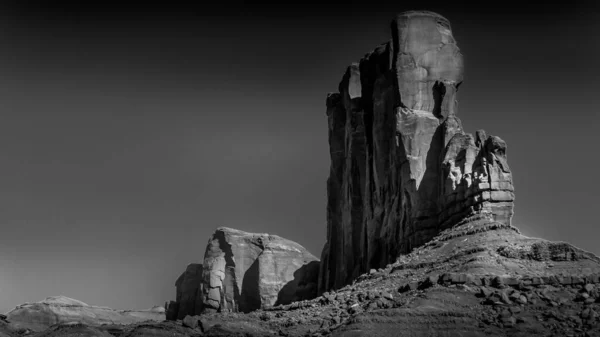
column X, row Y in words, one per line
column 55, row 310
column 243, row 272
column 402, row 168
column 479, row 278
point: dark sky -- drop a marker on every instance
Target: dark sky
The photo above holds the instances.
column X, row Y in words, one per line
column 130, row 132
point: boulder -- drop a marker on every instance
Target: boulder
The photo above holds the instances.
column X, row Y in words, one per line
column 245, row 271
column 429, row 281
column 408, row 287
column 190, row 321
column 402, row 168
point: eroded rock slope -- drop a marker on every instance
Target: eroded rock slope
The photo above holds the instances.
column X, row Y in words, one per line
column 39, row 316
column 479, row 278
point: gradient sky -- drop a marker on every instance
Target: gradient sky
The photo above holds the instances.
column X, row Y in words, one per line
column 129, row 134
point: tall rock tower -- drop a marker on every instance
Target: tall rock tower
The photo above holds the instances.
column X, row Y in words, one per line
column 402, row 169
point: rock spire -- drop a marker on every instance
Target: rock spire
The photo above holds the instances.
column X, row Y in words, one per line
column 402, row 168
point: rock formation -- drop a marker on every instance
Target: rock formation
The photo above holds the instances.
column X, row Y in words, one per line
column 404, row 177
column 244, row 272
column 402, row 168
column 187, row 297
column 39, row 316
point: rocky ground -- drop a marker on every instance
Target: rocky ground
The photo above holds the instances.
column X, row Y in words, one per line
column 477, row 279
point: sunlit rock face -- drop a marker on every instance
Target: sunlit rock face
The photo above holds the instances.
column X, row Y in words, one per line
column 246, row 271
column 427, row 62
column 402, row 168
column 476, row 179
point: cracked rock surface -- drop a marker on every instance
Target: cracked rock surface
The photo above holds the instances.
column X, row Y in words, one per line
column 246, row 271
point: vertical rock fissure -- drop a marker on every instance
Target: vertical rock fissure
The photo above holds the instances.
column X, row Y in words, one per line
column 438, row 91
column 229, row 278
column 356, row 219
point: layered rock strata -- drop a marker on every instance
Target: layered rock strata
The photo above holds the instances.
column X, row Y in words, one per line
column 39, row 316
column 246, row 271
column 402, row 168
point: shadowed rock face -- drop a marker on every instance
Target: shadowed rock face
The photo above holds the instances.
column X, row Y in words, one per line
column 245, row 271
column 188, row 293
column 402, row 168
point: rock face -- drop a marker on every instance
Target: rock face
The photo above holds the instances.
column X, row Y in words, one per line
column 39, row 316
column 402, row 168
column 244, row 272
column 477, row 179
column 188, row 293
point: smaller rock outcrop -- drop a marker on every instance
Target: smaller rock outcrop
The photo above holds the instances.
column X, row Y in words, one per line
column 476, row 177
column 245, row 271
column 188, row 293
column 54, row 310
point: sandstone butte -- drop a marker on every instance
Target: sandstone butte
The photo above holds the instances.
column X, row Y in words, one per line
column 243, row 272
column 419, row 233
column 402, row 168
